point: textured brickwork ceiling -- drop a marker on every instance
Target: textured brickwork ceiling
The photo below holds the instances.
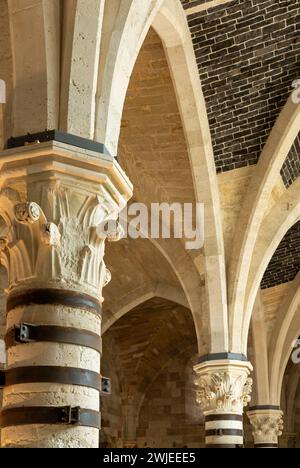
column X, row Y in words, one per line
column 291, row 168
column 285, row 263
column 248, row 55
column 192, row 3
column 148, row 337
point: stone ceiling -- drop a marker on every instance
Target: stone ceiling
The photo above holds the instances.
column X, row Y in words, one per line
column 153, row 153
column 147, row 338
column 248, row 54
column 152, row 146
column 291, row 168
column 285, row 263
column 137, row 267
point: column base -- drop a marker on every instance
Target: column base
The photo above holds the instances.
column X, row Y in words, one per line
column 265, row 445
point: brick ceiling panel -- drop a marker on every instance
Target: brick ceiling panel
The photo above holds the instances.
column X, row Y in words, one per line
column 192, row 3
column 285, row 263
column 248, row 55
column 291, row 168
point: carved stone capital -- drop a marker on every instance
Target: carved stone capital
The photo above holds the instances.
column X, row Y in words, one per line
column 50, row 214
column 267, row 425
column 223, row 386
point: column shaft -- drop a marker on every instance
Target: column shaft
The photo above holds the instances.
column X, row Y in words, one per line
column 36, row 360
column 51, row 243
column 224, row 431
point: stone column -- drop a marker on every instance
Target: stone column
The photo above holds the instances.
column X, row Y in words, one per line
column 53, row 198
column 223, row 390
column 2, row 368
column 2, row 330
column 267, row 424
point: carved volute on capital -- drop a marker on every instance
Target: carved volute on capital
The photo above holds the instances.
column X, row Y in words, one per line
column 27, row 213
column 226, row 389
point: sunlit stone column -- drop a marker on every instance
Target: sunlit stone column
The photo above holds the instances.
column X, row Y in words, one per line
column 267, row 424
column 53, row 198
column 2, row 367
column 223, row 390
column 2, row 330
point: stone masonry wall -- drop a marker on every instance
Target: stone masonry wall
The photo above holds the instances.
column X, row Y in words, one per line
column 111, row 406
column 170, row 416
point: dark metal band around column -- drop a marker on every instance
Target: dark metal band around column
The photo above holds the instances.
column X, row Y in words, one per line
column 223, row 446
column 54, row 297
column 58, row 136
column 265, row 445
column 224, row 432
column 52, row 374
column 264, row 407
column 222, row 356
column 65, row 415
column 224, row 417
column 28, row 333
column 219, row 431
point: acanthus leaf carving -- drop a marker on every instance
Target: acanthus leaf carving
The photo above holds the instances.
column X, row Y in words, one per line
column 267, row 425
column 223, row 391
column 65, row 247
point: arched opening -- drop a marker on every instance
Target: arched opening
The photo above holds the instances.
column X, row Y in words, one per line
column 148, row 354
column 151, row 337
column 178, row 114
column 280, row 295
column 153, row 152
column 290, row 402
column 275, row 327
